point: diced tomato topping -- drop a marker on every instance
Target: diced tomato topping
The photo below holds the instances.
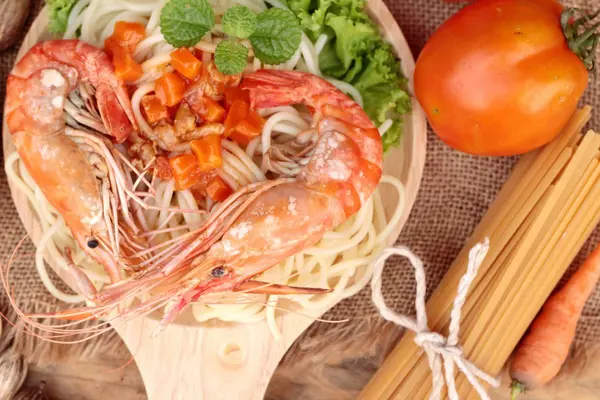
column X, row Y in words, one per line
column 247, row 129
column 233, row 93
column 126, row 35
column 238, row 111
column 208, row 152
column 256, row 120
column 199, row 189
column 186, row 63
column 170, row 89
column 154, row 109
column 218, row 190
column 185, row 171
column 207, row 109
column 126, row 68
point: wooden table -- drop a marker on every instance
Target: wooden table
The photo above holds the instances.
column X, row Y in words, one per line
column 89, row 379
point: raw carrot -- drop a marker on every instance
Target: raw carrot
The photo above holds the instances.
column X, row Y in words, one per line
column 544, row 349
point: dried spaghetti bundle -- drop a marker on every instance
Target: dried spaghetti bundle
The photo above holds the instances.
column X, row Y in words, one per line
column 536, row 226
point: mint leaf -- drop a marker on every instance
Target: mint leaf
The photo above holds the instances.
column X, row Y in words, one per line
column 239, row 21
column 231, row 57
column 184, row 22
column 277, row 36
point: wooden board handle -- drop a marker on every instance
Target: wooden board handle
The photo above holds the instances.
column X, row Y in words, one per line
column 213, row 362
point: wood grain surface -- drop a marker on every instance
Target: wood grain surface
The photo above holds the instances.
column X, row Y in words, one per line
column 236, row 361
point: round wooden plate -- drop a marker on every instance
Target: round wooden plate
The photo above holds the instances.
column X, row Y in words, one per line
column 216, row 360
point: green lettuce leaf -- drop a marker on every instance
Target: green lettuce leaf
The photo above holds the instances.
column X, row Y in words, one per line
column 381, row 67
column 381, row 99
column 356, row 53
column 353, row 39
column 392, row 137
column 329, row 62
column 58, row 12
column 311, row 15
column 354, row 9
column 385, row 101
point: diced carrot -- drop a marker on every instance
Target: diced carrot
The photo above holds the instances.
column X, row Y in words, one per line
column 256, row 120
column 208, row 152
column 154, row 109
column 126, row 35
column 233, row 93
column 207, row 109
column 218, row 190
column 170, row 89
column 110, row 44
column 185, row 171
column 186, row 63
column 199, row 189
column 126, row 68
column 240, row 138
column 237, row 113
column 247, row 129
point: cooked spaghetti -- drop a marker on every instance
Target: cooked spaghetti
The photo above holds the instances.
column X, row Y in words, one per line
column 340, row 261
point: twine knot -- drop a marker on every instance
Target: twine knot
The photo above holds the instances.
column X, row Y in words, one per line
column 438, row 343
column 438, row 348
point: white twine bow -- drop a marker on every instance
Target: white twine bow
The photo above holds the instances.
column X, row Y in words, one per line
column 437, row 347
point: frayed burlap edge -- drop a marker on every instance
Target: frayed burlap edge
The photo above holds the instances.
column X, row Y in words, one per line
column 336, row 363
column 19, row 347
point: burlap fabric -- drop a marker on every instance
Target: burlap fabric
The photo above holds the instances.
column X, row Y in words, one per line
column 455, row 192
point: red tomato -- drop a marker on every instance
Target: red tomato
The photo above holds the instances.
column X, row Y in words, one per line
column 498, row 78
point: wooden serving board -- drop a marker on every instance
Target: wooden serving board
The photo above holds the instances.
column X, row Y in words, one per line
column 215, row 360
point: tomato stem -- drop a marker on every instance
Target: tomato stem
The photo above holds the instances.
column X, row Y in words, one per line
column 582, row 36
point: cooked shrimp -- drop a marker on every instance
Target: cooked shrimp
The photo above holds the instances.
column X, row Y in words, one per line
column 63, row 98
